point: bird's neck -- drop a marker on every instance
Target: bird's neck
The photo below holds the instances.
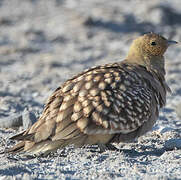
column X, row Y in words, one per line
column 157, row 65
column 153, row 64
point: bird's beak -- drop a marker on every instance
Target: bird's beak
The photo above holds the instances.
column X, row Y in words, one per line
column 170, row 42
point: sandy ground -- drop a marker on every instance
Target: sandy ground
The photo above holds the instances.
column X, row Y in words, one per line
column 42, row 43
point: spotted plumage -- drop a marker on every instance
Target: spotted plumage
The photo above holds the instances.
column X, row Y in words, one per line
column 109, row 103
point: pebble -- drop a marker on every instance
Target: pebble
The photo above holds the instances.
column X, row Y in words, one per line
column 28, row 118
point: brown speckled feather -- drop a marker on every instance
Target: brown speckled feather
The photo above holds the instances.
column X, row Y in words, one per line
column 92, row 104
column 110, row 103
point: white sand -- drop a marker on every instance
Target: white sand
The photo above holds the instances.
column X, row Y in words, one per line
column 42, row 43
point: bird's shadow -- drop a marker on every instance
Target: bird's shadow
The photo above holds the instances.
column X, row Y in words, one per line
column 131, row 156
column 133, row 153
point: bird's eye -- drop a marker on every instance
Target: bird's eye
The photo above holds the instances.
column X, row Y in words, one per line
column 153, row 43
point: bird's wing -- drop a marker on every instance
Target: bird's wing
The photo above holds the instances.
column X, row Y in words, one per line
column 119, row 101
column 103, row 100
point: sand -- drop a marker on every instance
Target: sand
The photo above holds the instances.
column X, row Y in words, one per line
column 43, row 43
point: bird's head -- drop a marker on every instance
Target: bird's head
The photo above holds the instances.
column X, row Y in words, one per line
column 148, row 50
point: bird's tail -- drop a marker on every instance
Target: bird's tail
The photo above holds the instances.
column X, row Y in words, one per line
column 49, row 146
column 44, row 147
column 15, row 149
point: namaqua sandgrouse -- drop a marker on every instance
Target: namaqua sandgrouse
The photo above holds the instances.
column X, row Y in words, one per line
column 110, row 103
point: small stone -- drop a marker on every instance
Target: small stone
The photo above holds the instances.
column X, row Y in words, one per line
column 28, row 119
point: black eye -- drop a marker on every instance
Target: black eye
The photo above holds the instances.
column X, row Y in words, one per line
column 153, row 43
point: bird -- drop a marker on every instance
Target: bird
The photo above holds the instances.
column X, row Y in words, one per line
column 110, row 103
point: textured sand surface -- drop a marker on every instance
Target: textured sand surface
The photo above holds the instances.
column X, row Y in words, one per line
column 42, row 43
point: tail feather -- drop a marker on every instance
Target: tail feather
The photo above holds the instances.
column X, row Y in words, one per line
column 23, row 137
column 16, row 137
column 43, row 147
column 15, row 149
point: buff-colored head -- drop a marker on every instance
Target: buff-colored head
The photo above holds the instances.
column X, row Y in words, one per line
column 148, row 48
